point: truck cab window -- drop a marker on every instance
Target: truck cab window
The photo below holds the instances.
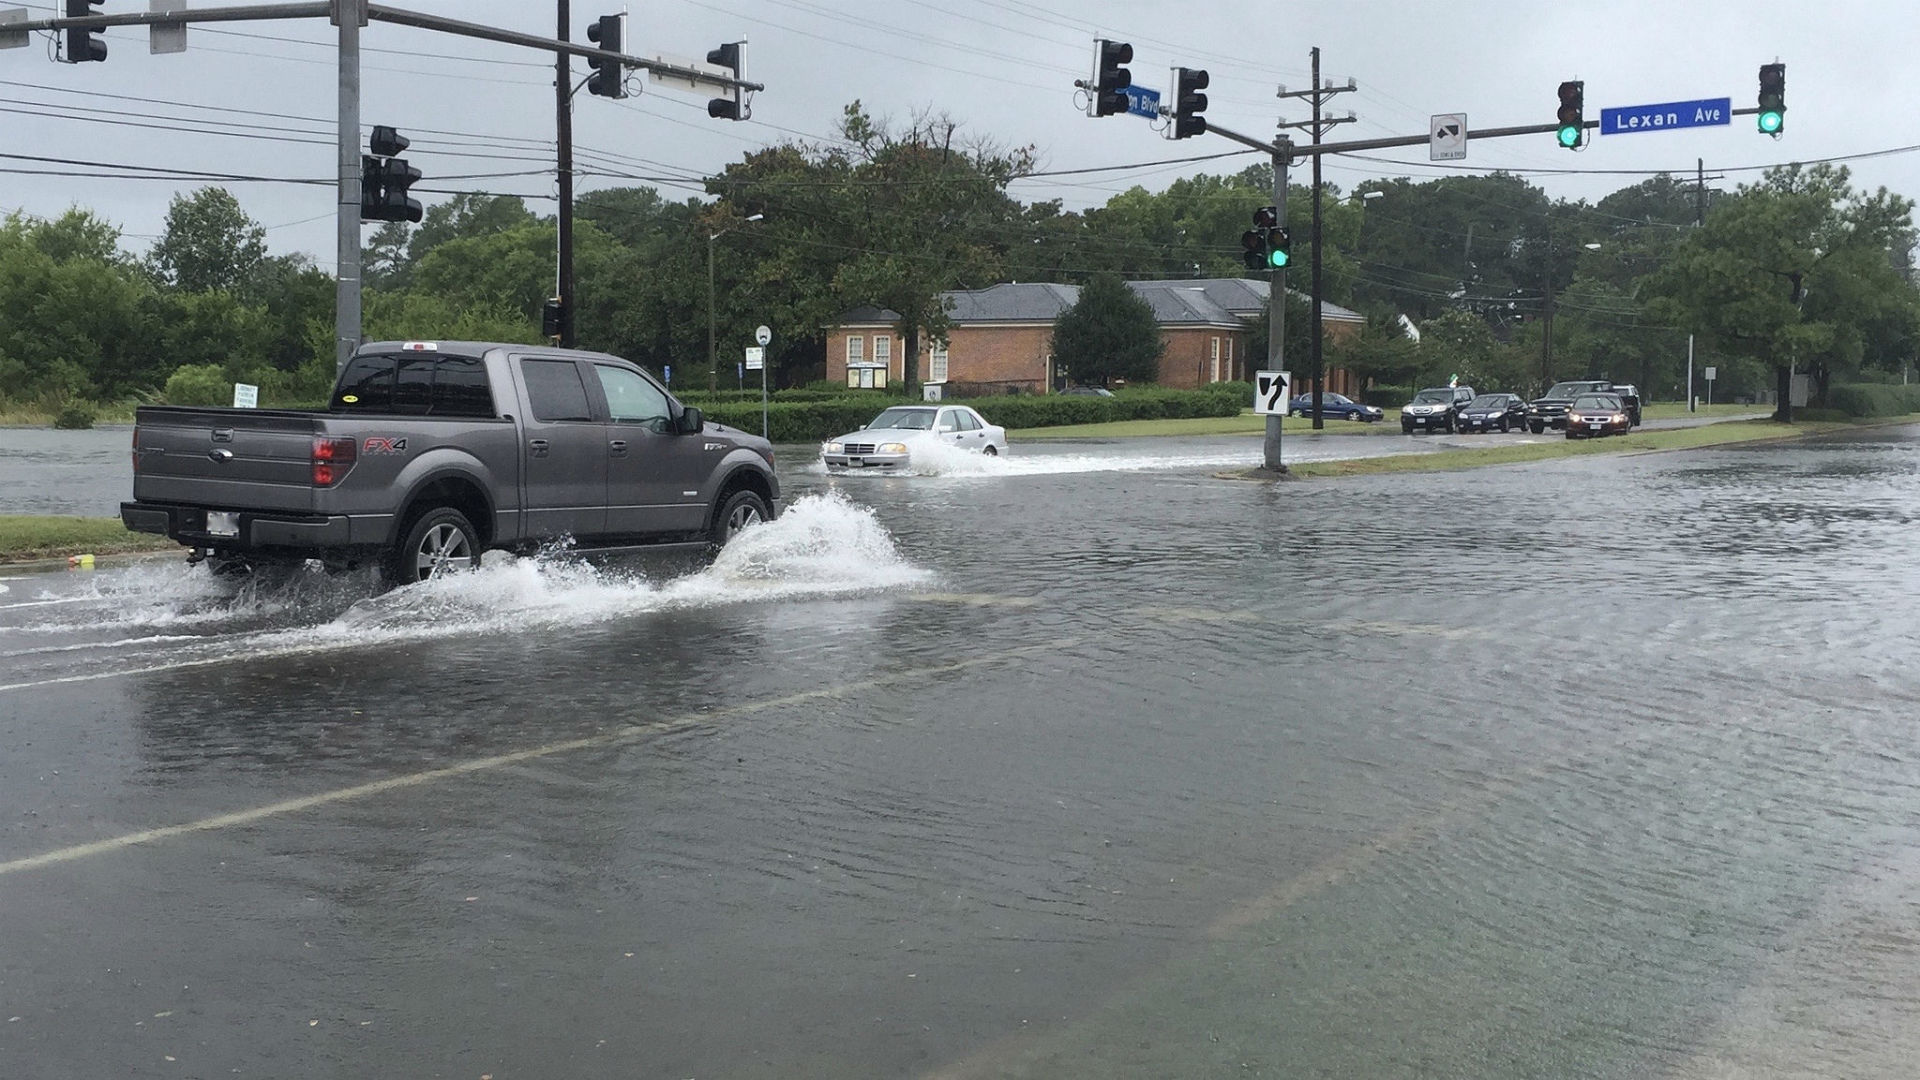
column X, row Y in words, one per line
column 413, row 384
column 632, row 399
column 460, row 388
column 554, row 390
column 366, row 385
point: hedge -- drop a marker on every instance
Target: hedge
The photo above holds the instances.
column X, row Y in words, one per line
column 812, row 421
column 1874, row 399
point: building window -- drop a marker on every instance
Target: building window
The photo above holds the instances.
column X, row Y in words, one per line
column 1216, row 360
column 1231, row 373
column 883, row 351
column 937, row 364
column 856, row 349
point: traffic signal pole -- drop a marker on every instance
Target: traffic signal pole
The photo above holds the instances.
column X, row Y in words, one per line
column 350, row 16
column 1276, row 305
column 563, row 168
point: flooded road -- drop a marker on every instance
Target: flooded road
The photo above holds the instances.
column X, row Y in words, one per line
column 1604, row 766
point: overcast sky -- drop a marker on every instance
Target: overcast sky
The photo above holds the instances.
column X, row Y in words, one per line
column 1003, row 68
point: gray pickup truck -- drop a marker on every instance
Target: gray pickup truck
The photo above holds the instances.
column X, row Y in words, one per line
column 431, row 452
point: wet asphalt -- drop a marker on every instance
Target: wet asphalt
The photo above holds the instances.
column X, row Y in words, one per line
column 1595, row 767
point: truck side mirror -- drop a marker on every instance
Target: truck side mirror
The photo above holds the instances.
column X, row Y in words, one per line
column 691, row 421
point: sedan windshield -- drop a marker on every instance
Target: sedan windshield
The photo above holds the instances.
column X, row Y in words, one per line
column 911, row 419
column 1433, row 397
column 1488, row 401
column 1596, row 402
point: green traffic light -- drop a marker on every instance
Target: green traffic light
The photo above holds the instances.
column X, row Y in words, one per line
column 1277, row 259
column 1771, row 121
column 1569, row 137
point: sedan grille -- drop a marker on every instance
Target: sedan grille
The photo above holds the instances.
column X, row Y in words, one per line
column 859, row 448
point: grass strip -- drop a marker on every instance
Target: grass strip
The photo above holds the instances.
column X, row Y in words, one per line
column 26, row 537
column 1722, row 434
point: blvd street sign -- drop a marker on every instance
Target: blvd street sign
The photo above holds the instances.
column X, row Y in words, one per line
column 1449, row 139
column 1708, row 112
column 756, row 358
column 1270, row 392
column 1143, row 102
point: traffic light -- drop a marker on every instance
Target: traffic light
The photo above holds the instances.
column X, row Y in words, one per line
column 83, row 44
column 1268, row 245
column 608, row 77
column 1110, row 79
column 1573, row 121
column 1189, row 102
column 552, row 317
column 733, row 57
column 385, row 178
column 1279, row 248
column 1773, row 99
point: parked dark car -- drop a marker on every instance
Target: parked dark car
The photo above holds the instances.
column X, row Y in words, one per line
column 1435, row 408
column 1335, row 406
column 1549, row 410
column 1493, row 412
column 1629, row 396
column 1593, row 415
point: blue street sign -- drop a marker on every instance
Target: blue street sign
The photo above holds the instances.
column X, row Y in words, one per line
column 1710, row 112
column 1143, row 102
column 668, row 370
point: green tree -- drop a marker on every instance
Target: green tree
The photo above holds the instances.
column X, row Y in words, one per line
column 1108, row 334
column 209, row 243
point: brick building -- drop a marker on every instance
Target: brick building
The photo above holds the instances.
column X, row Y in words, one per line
column 1001, row 336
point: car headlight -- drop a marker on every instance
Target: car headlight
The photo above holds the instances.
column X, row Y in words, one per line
column 830, row 448
column 893, row 448
column 1619, row 418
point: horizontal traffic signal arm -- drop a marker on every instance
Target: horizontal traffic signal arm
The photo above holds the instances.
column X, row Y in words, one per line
column 323, row 9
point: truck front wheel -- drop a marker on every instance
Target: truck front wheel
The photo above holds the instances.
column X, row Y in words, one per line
column 742, row 508
column 439, row 541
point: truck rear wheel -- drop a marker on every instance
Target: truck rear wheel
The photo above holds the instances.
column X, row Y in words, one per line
column 439, row 541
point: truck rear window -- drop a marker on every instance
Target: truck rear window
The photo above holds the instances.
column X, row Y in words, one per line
column 414, row 384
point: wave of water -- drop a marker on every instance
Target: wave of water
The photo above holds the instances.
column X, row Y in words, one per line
column 939, row 459
column 823, row 545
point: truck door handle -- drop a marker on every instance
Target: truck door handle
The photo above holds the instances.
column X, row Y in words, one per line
column 618, row 447
column 538, row 446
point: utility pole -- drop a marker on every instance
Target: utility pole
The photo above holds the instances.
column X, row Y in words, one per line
column 350, row 15
column 1317, row 127
column 563, row 166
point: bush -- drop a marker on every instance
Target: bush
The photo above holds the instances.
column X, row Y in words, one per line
column 812, row 421
column 74, row 416
column 1387, row 397
column 1873, row 399
column 198, row 384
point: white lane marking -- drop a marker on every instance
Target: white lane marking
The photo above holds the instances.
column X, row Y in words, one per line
column 497, row 761
column 48, row 603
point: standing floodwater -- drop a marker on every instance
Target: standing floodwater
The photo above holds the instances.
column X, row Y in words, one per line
column 1110, row 773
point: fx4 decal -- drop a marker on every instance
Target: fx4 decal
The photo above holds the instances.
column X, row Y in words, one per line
column 379, row 444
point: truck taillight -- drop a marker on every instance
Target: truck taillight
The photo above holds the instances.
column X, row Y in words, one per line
column 136, row 449
column 331, row 459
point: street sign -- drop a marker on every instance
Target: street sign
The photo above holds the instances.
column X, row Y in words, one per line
column 1707, row 112
column 756, row 358
column 1270, row 392
column 246, row 396
column 167, row 38
column 667, row 371
column 762, row 335
column 1711, row 372
column 1449, row 137
column 1143, row 102
column 13, row 39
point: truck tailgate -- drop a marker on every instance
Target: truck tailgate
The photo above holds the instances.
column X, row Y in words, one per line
column 254, row 458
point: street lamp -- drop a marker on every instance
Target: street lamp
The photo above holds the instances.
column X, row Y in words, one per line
column 713, row 362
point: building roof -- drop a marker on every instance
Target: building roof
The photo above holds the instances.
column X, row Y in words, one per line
column 1175, row 302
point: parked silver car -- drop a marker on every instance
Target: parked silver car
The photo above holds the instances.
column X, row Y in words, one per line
column 893, row 437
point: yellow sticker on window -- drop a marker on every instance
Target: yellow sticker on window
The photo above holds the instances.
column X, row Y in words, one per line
column 349, row 398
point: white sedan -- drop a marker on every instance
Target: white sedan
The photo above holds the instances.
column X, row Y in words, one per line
column 890, row 439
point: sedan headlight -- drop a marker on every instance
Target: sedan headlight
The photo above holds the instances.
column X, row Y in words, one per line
column 893, row 448
column 830, row 448
column 1619, row 418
